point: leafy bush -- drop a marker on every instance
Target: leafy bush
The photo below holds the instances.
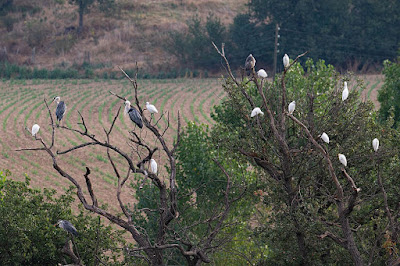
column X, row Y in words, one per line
column 389, row 94
column 27, row 232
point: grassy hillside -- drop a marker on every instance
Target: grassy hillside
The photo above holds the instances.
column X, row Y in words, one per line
column 42, row 33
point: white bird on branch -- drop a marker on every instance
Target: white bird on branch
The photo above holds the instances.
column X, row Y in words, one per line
column 292, row 105
column 325, row 137
column 345, row 92
column 342, row 159
column 256, row 111
column 151, row 108
column 35, row 129
column 375, row 144
column 262, row 74
column 286, row 61
column 153, row 166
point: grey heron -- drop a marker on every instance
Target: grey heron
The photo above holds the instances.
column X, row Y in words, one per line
column 61, row 108
column 134, row 114
column 67, row 226
column 249, row 63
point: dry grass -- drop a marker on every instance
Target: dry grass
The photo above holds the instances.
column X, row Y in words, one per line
column 133, row 33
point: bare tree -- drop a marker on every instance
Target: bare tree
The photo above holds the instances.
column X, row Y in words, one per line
column 195, row 253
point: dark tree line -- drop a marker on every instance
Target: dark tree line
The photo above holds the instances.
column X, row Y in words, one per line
column 345, row 33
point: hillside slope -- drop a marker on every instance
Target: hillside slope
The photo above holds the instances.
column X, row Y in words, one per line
column 43, row 33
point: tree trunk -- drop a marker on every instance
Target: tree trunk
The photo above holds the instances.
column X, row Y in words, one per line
column 81, row 9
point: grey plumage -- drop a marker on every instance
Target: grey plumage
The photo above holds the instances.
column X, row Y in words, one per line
column 61, row 108
column 250, row 63
column 135, row 116
column 67, row 226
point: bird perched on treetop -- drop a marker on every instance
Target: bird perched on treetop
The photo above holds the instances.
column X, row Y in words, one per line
column 35, row 129
column 292, row 105
column 375, row 144
column 285, row 60
column 261, row 73
column 345, row 92
column 153, row 166
column 151, row 108
column 256, row 111
column 249, row 64
column 61, row 108
column 342, row 159
column 134, row 114
column 67, row 226
column 325, row 137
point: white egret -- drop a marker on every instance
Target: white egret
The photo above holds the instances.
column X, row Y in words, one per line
column 134, row 114
column 286, row 61
column 325, row 137
column 61, row 108
column 345, row 92
column 375, row 144
column 151, row 108
column 342, row 159
column 256, row 111
column 35, row 129
column 153, row 166
column 262, row 74
column 67, row 226
column 292, row 105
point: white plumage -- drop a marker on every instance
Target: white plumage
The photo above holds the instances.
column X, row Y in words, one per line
column 153, row 166
column 256, row 111
column 285, row 60
column 127, row 107
column 292, row 105
column 375, row 144
column 325, row 137
column 35, row 129
column 151, row 108
column 342, row 159
column 262, row 74
column 345, row 92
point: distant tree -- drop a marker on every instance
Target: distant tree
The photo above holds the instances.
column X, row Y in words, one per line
column 28, row 235
column 84, row 7
column 389, row 94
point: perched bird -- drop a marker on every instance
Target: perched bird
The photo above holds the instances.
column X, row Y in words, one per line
column 67, row 226
column 325, row 137
column 250, row 63
column 262, row 74
column 375, row 144
column 285, row 60
column 292, row 105
column 61, row 108
column 345, row 92
column 256, row 111
column 134, row 114
column 151, row 108
column 342, row 159
column 35, row 129
column 153, row 166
